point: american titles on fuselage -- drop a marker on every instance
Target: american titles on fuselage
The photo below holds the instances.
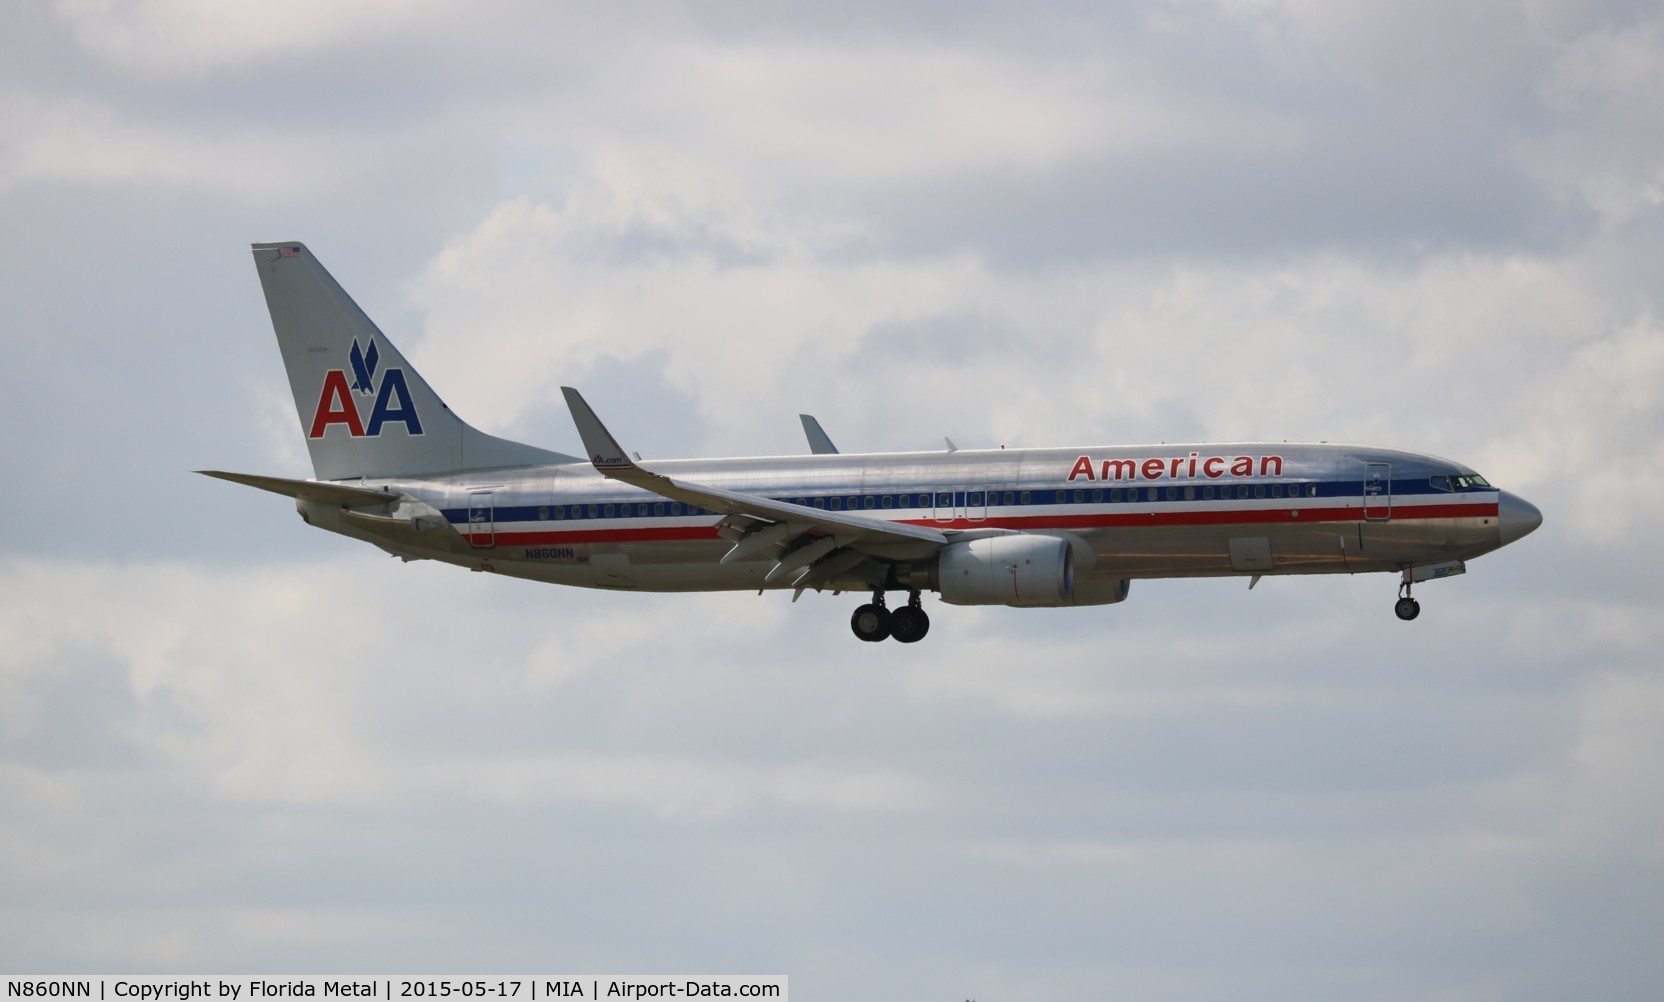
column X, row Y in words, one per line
column 1177, row 467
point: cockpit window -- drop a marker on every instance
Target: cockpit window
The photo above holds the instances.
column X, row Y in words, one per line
column 1473, row 480
column 1439, row 483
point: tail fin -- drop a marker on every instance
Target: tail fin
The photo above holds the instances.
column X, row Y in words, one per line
column 365, row 411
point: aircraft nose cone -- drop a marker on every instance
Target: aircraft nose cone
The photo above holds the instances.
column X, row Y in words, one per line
column 1516, row 517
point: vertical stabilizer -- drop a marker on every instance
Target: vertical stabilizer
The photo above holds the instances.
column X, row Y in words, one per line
column 365, row 412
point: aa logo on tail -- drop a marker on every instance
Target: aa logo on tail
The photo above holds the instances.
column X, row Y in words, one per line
column 338, row 405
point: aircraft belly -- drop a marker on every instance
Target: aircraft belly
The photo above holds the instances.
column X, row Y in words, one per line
column 1350, row 546
column 644, row 567
column 1311, row 548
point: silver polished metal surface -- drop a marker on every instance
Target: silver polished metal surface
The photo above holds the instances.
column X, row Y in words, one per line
column 1516, row 517
column 396, row 468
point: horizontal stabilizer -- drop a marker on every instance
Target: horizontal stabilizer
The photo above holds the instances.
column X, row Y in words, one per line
column 310, row 490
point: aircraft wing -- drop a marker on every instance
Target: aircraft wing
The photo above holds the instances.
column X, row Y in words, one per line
column 783, row 523
column 311, row 490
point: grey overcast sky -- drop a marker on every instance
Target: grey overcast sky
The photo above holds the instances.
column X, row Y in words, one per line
column 232, row 744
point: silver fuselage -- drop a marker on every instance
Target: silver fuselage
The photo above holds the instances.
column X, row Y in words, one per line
column 1129, row 511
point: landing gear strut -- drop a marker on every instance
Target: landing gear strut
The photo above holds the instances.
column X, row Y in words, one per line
column 1407, row 607
column 874, row 621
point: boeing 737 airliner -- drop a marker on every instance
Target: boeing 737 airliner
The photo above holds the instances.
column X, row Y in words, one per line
column 1021, row 527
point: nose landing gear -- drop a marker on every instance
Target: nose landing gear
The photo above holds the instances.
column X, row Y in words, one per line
column 1407, row 608
column 874, row 621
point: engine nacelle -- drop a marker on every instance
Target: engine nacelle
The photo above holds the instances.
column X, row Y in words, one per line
column 1017, row 569
column 1100, row 589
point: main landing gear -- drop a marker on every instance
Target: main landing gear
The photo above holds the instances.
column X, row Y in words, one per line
column 874, row 621
column 1407, row 607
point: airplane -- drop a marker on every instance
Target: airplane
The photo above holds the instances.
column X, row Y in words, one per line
column 1057, row 527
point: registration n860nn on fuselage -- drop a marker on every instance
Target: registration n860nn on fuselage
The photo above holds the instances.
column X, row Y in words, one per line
column 395, row 467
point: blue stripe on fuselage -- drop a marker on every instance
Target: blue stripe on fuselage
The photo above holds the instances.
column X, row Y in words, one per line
column 995, row 499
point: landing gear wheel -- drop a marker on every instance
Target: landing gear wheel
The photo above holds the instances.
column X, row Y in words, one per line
column 1407, row 607
column 871, row 623
column 909, row 624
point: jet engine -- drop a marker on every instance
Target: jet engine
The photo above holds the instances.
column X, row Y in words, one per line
column 1020, row 569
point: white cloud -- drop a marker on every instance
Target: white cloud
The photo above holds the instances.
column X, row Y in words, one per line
column 835, row 111
column 263, row 685
column 194, row 37
column 80, row 142
column 1618, row 739
column 1609, row 148
column 1162, row 222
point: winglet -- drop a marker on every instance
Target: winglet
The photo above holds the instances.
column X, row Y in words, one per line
column 604, row 450
column 819, row 442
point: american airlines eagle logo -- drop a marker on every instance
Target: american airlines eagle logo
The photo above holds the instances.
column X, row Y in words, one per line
column 364, row 367
column 337, row 403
